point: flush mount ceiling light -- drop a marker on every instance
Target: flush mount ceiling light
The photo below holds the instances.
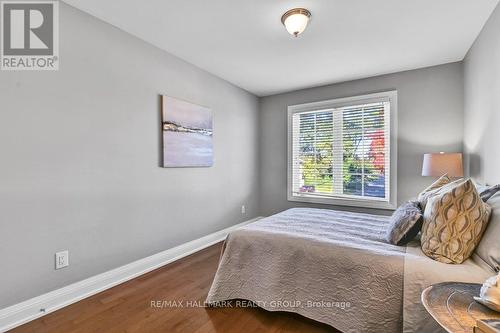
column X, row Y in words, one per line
column 295, row 20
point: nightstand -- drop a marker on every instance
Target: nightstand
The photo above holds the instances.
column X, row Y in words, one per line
column 452, row 305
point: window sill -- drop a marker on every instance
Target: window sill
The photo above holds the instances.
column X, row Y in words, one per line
column 343, row 202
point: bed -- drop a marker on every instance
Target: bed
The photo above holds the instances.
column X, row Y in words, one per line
column 334, row 267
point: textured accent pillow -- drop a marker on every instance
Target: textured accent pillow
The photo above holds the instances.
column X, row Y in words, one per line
column 428, row 192
column 406, row 223
column 454, row 221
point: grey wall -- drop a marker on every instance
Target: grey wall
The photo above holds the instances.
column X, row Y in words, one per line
column 80, row 153
column 482, row 103
column 80, row 150
column 430, row 119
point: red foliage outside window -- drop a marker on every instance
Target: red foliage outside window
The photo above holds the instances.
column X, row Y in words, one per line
column 376, row 152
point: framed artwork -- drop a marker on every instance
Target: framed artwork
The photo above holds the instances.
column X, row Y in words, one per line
column 187, row 131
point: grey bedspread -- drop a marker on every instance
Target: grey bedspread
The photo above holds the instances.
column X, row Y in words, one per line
column 330, row 266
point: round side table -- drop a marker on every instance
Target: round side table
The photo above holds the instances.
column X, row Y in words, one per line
column 452, row 305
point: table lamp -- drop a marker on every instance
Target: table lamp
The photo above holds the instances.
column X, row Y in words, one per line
column 438, row 164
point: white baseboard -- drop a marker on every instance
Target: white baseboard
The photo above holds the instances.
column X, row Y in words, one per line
column 39, row 306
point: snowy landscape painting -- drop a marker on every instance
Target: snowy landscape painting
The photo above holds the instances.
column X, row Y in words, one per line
column 187, row 134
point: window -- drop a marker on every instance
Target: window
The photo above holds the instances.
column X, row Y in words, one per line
column 343, row 151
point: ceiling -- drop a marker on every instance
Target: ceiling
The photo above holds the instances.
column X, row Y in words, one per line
column 244, row 42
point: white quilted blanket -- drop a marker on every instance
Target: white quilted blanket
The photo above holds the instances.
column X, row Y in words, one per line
column 330, row 266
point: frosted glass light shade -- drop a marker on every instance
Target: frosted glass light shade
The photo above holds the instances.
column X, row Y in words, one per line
column 295, row 20
column 436, row 165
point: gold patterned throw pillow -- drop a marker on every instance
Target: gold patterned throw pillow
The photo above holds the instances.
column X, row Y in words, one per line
column 428, row 192
column 454, row 221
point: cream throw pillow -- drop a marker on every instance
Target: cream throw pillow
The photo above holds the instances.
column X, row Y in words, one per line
column 454, row 221
column 428, row 192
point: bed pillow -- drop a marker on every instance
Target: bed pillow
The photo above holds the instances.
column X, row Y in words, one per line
column 454, row 221
column 485, row 191
column 489, row 247
column 488, row 192
column 479, row 186
column 406, row 223
column 428, row 192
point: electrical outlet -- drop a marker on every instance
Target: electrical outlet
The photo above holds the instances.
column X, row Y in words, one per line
column 62, row 259
column 243, row 209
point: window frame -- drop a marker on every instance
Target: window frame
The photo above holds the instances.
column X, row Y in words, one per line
column 392, row 96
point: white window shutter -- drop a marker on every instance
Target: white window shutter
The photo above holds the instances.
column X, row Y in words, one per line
column 342, row 152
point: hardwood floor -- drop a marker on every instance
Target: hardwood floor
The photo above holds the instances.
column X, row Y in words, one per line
column 128, row 307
